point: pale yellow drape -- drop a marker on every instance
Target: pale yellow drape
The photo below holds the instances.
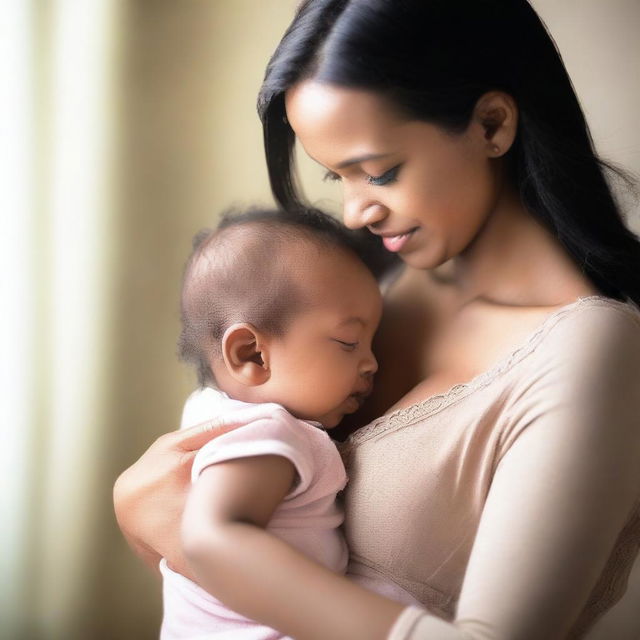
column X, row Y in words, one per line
column 124, row 128
column 57, row 276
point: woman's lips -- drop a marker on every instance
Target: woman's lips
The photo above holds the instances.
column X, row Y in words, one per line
column 396, row 243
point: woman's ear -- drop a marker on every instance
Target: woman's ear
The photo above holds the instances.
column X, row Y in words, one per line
column 497, row 114
column 245, row 354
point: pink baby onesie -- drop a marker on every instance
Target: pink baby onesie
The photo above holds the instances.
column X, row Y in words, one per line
column 307, row 519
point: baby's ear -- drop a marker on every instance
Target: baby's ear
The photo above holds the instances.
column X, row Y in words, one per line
column 243, row 352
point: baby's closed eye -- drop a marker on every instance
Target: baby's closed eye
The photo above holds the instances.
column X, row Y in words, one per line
column 348, row 346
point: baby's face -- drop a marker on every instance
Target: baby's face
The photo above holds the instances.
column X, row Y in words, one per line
column 322, row 368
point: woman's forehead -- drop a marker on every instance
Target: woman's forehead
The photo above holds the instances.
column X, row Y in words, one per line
column 318, row 112
column 339, row 126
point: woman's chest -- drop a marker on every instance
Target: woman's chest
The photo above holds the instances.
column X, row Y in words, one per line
column 430, row 342
column 417, row 486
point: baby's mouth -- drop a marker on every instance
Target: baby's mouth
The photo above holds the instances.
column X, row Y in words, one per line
column 359, row 398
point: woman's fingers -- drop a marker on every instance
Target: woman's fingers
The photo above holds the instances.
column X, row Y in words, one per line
column 196, row 437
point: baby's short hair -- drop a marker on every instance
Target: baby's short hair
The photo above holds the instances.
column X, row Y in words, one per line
column 234, row 275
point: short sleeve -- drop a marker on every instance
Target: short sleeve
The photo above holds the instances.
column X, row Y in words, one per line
column 270, row 431
column 202, row 405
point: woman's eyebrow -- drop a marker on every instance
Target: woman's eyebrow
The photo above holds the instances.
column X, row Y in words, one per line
column 364, row 158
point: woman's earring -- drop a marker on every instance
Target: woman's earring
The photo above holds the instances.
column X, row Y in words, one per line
column 496, row 149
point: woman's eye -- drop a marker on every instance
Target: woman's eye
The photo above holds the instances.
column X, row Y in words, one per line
column 331, row 176
column 386, row 178
column 349, row 346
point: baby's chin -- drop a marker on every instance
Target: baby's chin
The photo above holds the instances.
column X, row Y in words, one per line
column 329, row 423
column 334, row 416
column 328, row 420
column 331, row 420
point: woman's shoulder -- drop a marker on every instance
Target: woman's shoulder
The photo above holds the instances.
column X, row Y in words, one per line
column 593, row 325
column 581, row 376
column 589, row 349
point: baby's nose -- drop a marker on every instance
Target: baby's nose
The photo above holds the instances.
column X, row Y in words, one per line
column 369, row 366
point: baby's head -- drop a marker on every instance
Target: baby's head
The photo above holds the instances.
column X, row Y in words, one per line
column 280, row 307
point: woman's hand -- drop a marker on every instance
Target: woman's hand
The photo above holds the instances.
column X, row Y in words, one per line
column 150, row 495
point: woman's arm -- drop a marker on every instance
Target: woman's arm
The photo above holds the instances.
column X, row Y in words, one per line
column 260, row 576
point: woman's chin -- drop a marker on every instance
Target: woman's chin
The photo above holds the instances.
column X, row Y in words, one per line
column 423, row 259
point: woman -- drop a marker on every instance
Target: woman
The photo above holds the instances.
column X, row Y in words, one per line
column 500, row 487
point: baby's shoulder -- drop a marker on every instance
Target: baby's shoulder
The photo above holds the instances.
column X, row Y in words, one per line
column 260, row 429
column 247, row 421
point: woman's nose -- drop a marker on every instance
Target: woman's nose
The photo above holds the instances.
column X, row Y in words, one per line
column 360, row 211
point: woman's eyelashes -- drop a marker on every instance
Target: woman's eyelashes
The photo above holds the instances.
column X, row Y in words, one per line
column 379, row 181
column 331, row 176
column 386, row 178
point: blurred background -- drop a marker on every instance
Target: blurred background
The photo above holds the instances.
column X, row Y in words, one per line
column 125, row 127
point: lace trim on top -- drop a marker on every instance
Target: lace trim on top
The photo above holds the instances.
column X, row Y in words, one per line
column 433, row 404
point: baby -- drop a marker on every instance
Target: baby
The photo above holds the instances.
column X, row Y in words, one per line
column 278, row 312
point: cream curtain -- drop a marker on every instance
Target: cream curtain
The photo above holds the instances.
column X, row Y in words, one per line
column 57, row 172
column 124, row 128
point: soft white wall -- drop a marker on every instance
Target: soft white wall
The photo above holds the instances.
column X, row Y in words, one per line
column 600, row 46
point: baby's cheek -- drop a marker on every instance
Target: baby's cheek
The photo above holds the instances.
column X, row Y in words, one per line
column 328, row 393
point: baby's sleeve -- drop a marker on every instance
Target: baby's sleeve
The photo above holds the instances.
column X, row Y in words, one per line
column 271, row 430
column 202, row 405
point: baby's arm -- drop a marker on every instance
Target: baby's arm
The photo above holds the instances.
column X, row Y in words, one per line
column 258, row 575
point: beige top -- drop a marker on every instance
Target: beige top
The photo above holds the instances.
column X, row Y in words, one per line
column 510, row 505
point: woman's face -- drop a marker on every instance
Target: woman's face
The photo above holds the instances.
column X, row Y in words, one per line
column 425, row 191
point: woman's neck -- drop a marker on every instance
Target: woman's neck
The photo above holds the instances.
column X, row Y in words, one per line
column 514, row 261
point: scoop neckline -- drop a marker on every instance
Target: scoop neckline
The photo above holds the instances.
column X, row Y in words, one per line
column 438, row 401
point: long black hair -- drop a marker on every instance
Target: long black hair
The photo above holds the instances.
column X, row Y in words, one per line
column 435, row 59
